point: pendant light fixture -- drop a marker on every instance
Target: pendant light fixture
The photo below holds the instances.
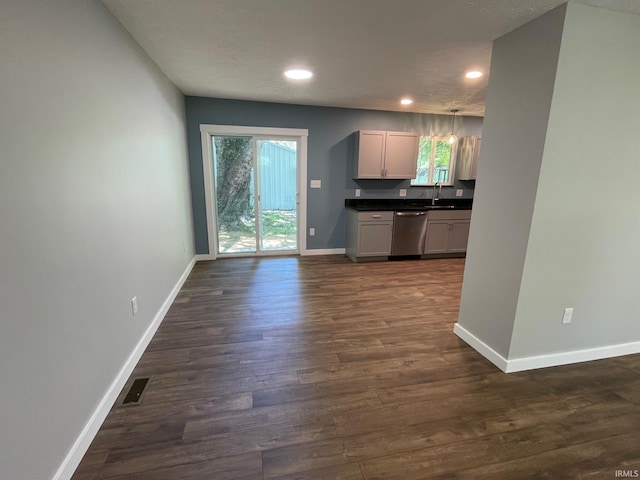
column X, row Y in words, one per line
column 452, row 138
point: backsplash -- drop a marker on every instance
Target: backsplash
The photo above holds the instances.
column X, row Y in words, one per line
column 391, row 189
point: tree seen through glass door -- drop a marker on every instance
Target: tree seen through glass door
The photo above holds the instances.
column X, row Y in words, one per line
column 233, row 163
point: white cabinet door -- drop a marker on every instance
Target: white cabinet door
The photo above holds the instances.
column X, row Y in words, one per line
column 381, row 154
column 467, row 158
column 374, row 239
column 476, row 155
column 401, row 155
column 459, row 236
column 370, row 154
column 437, row 240
column 447, row 231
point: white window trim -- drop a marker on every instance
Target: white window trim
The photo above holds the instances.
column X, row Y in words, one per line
column 452, row 162
column 208, row 131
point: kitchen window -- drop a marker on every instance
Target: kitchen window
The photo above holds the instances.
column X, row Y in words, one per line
column 435, row 161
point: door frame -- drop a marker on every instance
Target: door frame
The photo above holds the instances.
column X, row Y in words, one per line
column 207, row 132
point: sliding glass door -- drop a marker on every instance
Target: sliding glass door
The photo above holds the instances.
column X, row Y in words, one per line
column 256, row 198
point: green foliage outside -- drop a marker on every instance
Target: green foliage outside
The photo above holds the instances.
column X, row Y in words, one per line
column 278, row 232
column 274, row 222
column 278, row 222
column 440, row 161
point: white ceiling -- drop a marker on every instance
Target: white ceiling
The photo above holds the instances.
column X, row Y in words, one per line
column 364, row 53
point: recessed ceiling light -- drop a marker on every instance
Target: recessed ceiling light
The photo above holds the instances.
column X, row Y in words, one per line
column 406, row 101
column 473, row 74
column 297, row 74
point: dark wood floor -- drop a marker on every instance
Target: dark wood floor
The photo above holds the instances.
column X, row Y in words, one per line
column 319, row 368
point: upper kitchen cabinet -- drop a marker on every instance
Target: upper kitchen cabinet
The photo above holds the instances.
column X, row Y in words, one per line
column 467, row 162
column 385, row 155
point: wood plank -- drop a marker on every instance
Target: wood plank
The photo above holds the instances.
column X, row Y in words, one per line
column 136, row 460
column 139, row 434
column 349, row 471
column 246, row 466
column 294, row 412
column 463, row 455
column 592, row 460
column 355, row 448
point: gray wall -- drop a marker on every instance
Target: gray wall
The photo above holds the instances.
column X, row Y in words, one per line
column 523, row 70
column 94, row 208
column 584, row 243
column 561, row 127
column 330, row 152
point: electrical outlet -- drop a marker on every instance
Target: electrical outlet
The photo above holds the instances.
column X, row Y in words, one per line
column 357, row 192
column 134, row 306
column 459, row 192
column 312, row 232
column 403, row 192
column 568, row 315
column 316, row 183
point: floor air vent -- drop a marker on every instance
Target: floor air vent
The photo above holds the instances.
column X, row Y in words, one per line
column 134, row 395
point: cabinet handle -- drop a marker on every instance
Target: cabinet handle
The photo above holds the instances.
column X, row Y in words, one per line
column 376, row 216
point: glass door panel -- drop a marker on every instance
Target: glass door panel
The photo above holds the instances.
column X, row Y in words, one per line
column 277, row 194
column 233, row 162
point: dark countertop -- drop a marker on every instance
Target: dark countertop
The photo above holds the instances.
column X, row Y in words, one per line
column 382, row 204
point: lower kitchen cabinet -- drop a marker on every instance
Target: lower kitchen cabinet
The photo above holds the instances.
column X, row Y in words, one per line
column 447, row 231
column 369, row 235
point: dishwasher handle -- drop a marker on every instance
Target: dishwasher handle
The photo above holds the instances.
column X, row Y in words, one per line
column 410, row 214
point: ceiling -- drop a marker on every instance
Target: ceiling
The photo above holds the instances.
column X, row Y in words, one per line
column 364, row 53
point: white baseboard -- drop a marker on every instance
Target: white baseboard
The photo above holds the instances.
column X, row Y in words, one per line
column 82, row 443
column 543, row 361
column 323, row 251
column 482, row 348
column 204, row 257
column 576, row 356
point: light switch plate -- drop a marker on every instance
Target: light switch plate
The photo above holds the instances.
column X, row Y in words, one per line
column 316, row 183
column 568, row 315
column 403, row 192
column 312, row 232
column 459, row 192
column 357, row 192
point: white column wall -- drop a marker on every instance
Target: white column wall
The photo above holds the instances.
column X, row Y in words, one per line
column 584, row 244
column 523, row 70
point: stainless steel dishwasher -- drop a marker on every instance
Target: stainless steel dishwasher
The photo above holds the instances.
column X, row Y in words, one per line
column 409, row 232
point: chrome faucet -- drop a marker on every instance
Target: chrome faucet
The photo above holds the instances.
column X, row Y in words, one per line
column 437, row 190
